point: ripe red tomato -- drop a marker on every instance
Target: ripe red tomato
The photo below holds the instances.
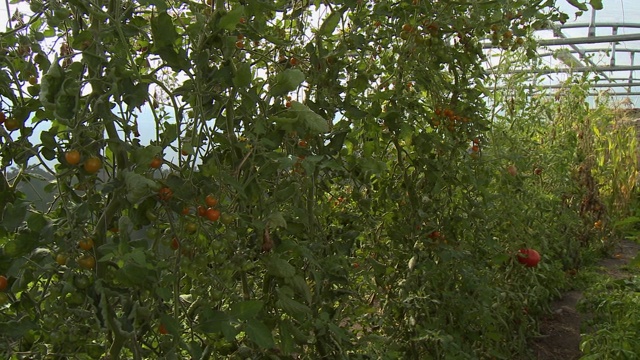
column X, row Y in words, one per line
column 72, row 157
column 162, row 329
column 175, row 244
column 293, row 61
column 202, row 211
column 211, row 201
column 303, row 143
column 165, row 194
column 3, row 283
column 213, row 214
column 92, row 165
column 528, row 257
column 156, row 163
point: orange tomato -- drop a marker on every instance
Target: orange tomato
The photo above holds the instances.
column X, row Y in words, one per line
column 92, row 165
column 87, row 262
column 72, row 157
column 202, row 211
column 213, row 214
column 211, row 201
column 86, row 244
column 156, row 163
column 165, row 194
column 11, row 124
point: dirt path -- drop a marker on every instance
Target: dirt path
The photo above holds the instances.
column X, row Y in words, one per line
column 560, row 333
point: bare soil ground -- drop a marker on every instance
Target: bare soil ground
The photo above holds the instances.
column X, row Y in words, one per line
column 560, row 333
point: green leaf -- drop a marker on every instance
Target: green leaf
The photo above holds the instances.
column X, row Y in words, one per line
column 276, row 220
column 242, row 77
column 579, row 5
column 162, row 30
column 279, row 267
column 596, row 4
column 312, row 122
column 260, row 334
column 291, row 306
column 287, row 81
column 231, row 19
column 14, row 215
column 37, row 222
column 16, row 328
column 138, row 187
column 246, row 310
column 330, row 23
column 212, row 321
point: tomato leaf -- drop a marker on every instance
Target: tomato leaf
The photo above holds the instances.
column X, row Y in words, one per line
column 291, row 306
column 287, row 81
column 579, row 5
column 231, row 19
column 14, row 215
column 242, row 77
column 279, row 267
column 596, row 4
column 276, row 220
column 260, row 334
column 246, row 310
column 163, row 32
column 138, row 187
column 213, row 321
column 330, row 23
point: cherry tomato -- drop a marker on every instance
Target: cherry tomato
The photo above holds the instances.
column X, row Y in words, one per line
column 191, row 227
column 165, row 194
column 211, row 201
column 92, row 165
column 72, row 157
column 175, row 244
column 213, row 214
column 202, row 211
column 86, row 262
column 156, row 163
column 3, row 283
column 11, row 124
column 61, row 259
column 86, row 244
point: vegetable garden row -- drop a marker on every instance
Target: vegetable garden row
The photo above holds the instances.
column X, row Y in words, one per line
column 293, row 180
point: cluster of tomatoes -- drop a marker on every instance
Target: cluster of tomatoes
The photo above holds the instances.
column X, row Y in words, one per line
column 91, row 165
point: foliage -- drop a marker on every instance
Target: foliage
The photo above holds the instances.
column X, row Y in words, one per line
column 612, row 332
column 369, row 202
